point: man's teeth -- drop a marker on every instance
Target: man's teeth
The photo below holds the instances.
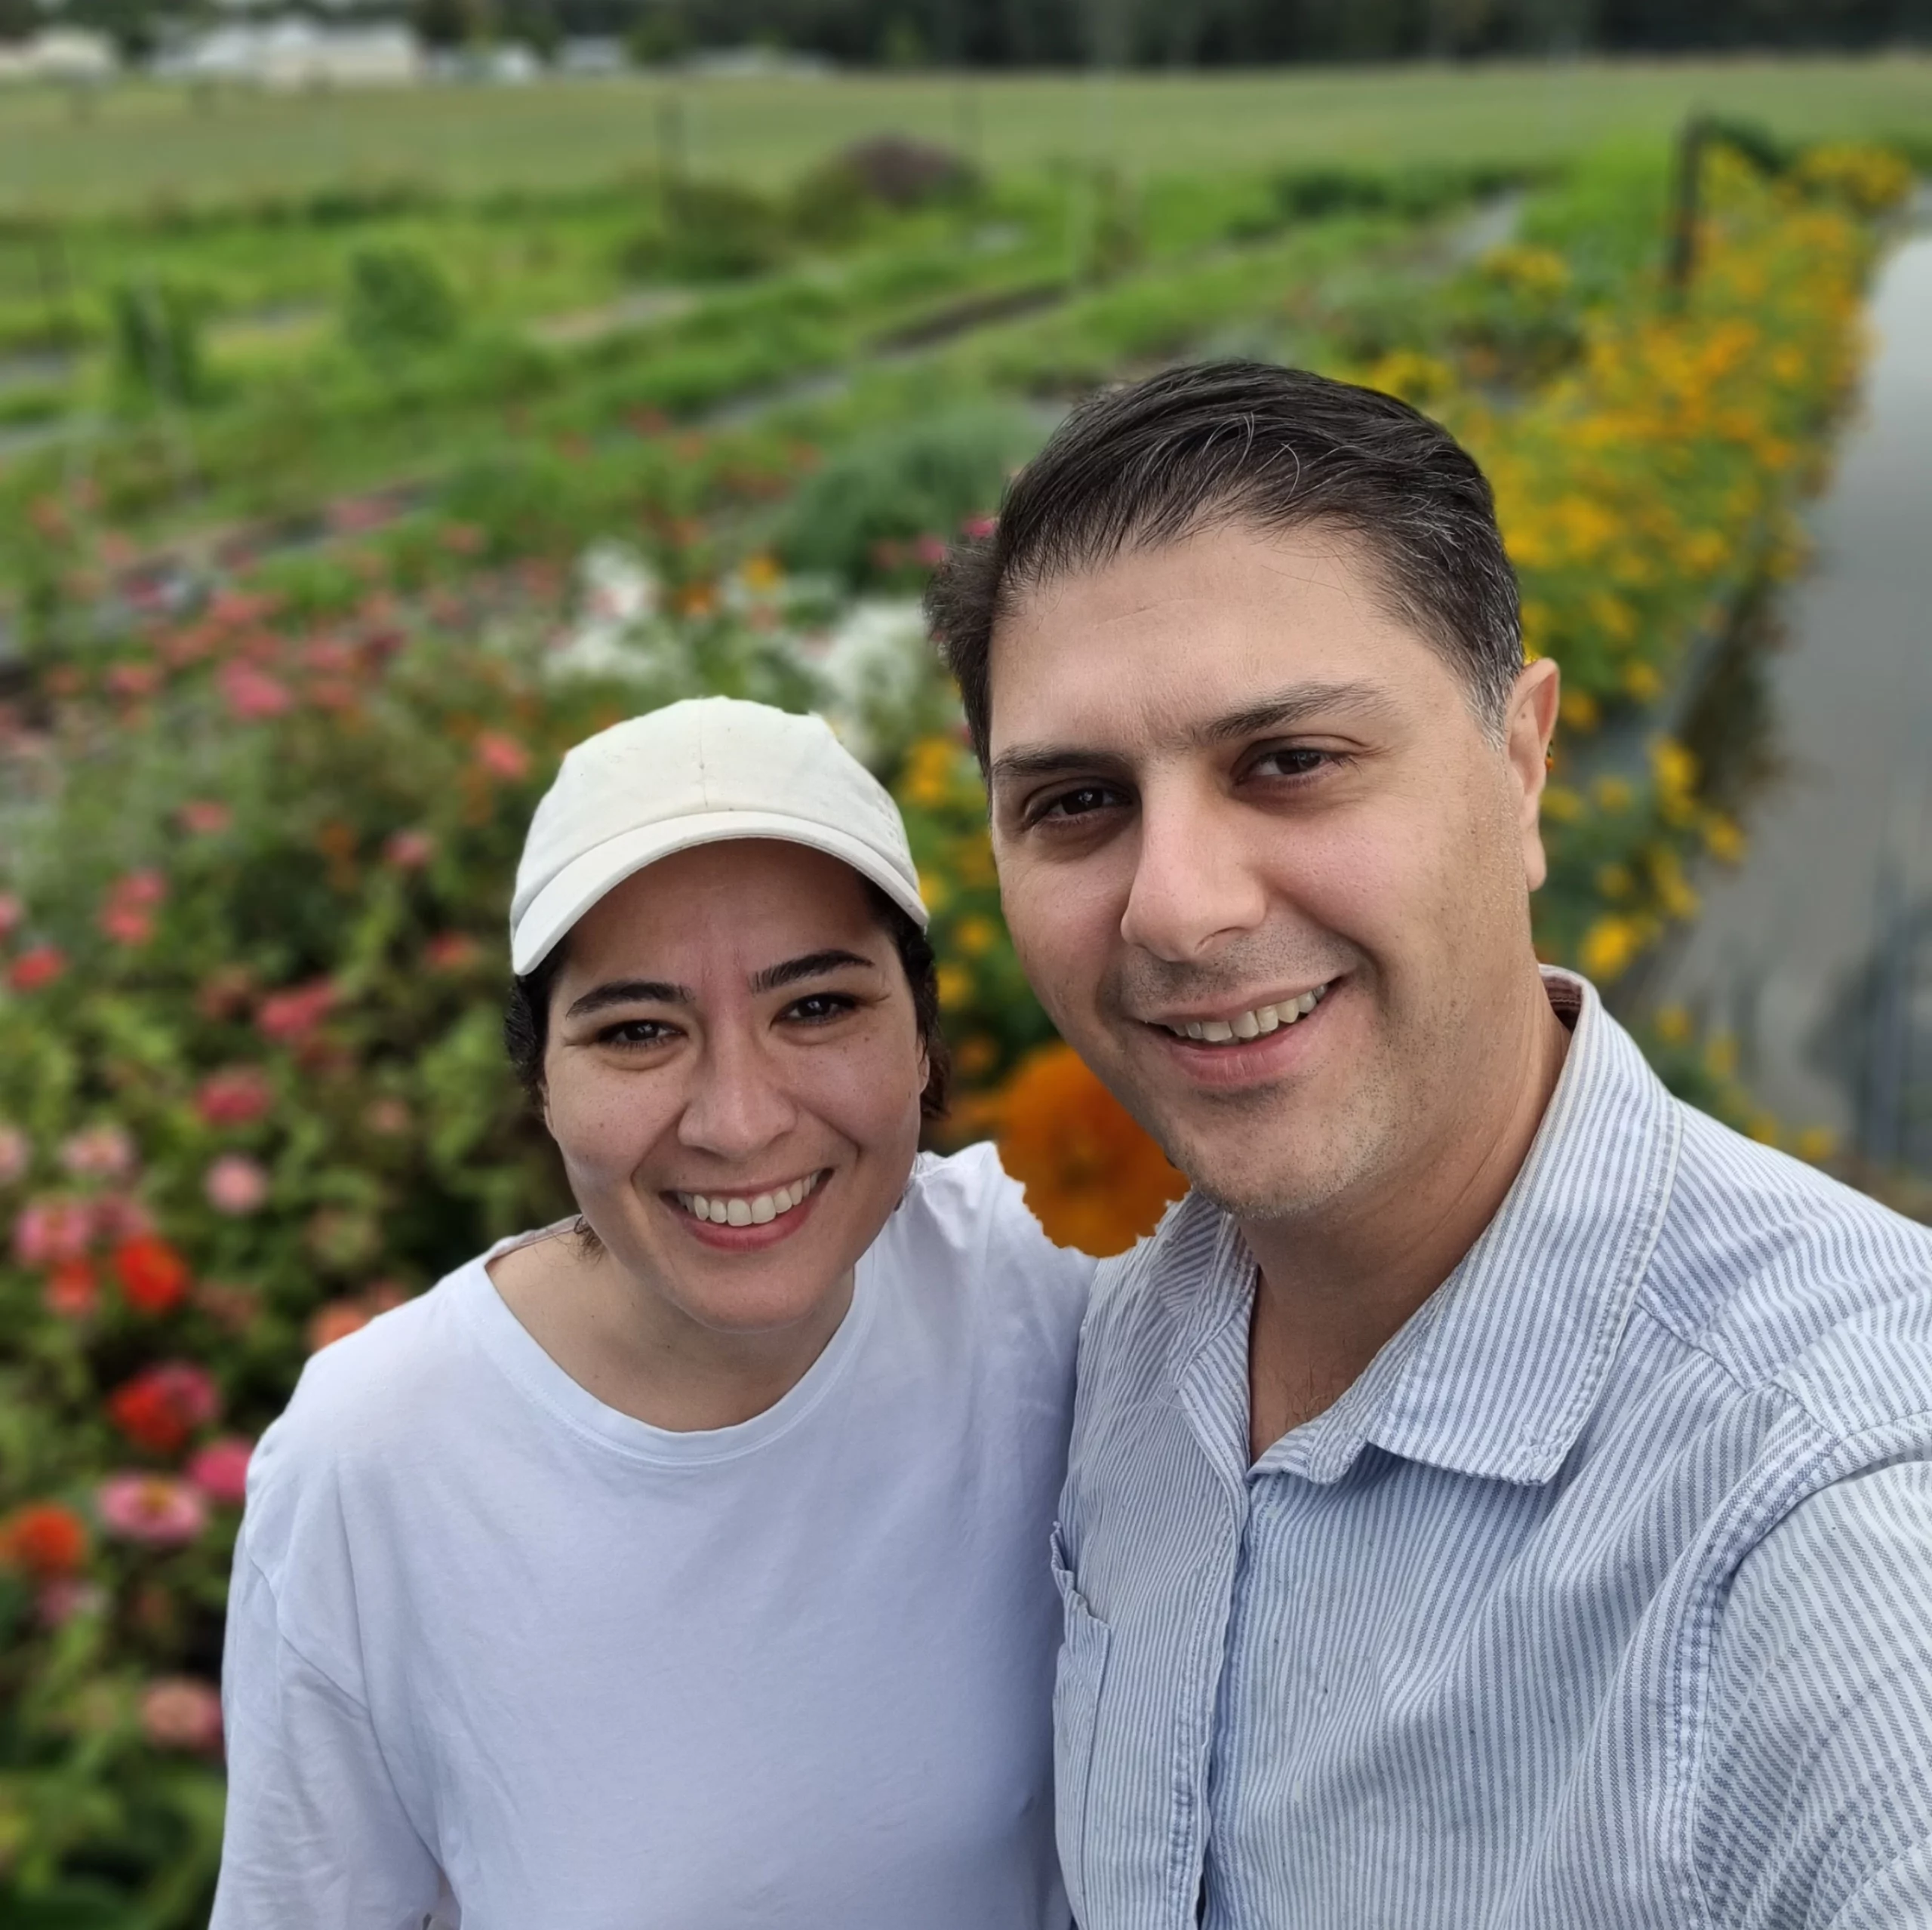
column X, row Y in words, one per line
column 1257, row 1024
column 736, row 1210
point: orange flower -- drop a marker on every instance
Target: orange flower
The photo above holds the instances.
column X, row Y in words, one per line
column 1094, row 1179
column 44, row 1538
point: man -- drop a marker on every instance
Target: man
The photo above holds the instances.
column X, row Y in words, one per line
column 1500, row 1496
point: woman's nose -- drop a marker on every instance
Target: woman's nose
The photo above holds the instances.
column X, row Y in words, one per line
column 738, row 1106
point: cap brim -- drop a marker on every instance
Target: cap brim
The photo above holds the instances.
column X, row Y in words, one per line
column 586, row 878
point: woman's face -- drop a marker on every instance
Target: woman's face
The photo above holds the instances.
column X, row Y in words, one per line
column 733, row 1074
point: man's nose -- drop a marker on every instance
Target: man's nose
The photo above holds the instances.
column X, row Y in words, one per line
column 739, row 1106
column 1193, row 883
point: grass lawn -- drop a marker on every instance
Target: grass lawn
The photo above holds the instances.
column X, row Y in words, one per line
column 136, row 142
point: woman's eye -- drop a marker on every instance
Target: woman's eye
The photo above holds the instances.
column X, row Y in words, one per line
column 634, row 1032
column 816, row 1008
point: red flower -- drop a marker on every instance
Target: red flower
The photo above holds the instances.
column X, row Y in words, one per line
column 32, row 969
column 163, row 1405
column 235, row 1096
column 71, row 1291
column 410, row 850
column 153, row 1276
column 296, row 1012
column 44, row 1538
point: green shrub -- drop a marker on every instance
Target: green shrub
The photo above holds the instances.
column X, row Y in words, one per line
column 708, row 231
column 398, row 304
column 884, row 507
column 157, row 344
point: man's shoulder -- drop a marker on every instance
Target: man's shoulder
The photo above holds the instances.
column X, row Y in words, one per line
column 1142, row 1297
column 1787, row 1279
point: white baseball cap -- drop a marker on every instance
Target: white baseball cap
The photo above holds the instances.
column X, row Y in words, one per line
column 699, row 772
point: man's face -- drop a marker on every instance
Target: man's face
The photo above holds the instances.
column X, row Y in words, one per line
column 1265, row 869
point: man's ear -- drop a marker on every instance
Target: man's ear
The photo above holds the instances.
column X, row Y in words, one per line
column 1530, row 723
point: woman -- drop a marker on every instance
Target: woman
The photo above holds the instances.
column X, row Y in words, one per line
column 683, row 1567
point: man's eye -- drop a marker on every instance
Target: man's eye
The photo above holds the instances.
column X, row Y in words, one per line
column 1081, row 802
column 1294, row 762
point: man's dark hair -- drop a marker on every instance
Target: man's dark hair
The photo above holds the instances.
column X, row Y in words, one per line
column 527, row 1008
column 1246, row 442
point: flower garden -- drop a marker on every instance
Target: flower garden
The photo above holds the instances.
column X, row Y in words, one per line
column 277, row 728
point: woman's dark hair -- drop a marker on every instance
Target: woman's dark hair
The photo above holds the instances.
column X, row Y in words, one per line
column 1136, row 467
column 526, row 1009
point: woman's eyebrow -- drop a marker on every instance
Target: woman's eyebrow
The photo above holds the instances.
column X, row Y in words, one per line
column 631, row 992
column 814, row 965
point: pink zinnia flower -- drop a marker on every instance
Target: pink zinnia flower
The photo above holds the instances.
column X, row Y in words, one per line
column 127, row 925
column 502, row 756
column 72, row 1291
column 930, row 550
column 182, row 1712
column 155, row 1510
column 147, row 887
column 220, row 1469
column 65, row 1596
column 101, row 1153
column 252, row 694
column 979, row 528
column 235, row 1184
column 134, row 680
column 205, row 817
column 11, row 912
column 410, row 850
column 292, row 1013
column 46, row 1231
column 235, row 1096
column 16, row 1154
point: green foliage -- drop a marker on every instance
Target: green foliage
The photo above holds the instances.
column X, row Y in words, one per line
column 885, row 506
column 398, row 304
column 157, row 344
column 707, row 231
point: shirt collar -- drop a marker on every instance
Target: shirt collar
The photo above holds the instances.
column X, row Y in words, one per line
column 1497, row 1373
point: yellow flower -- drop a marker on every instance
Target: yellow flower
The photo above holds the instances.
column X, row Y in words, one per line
column 1722, row 838
column 1615, row 881
column 929, row 772
column 761, row 573
column 1673, row 1024
column 1608, row 947
column 1613, row 794
column 1560, row 805
column 1641, row 682
column 955, row 986
column 1579, row 709
column 933, row 889
column 1816, row 1143
column 1674, row 767
column 1720, row 1056
column 976, row 936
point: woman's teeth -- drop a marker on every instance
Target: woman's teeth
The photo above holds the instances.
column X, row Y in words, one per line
column 738, row 1210
column 1257, row 1024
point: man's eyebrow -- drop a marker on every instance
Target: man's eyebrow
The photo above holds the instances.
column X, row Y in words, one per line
column 1285, row 710
column 814, row 965
column 1290, row 707
column 631, row 992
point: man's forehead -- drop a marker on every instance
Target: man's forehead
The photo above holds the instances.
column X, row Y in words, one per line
column 1167, row 642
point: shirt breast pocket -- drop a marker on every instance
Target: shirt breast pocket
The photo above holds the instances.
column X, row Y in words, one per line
column 1077, row 1679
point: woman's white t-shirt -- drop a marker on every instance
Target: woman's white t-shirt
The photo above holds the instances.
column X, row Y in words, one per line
column 500, row 1655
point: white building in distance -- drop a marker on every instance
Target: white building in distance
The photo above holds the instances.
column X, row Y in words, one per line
column 288, row 54
column 66, row 56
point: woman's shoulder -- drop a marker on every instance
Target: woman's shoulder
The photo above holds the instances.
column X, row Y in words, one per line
column 965, row 1216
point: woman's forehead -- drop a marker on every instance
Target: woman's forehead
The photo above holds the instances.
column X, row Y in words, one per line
column 742, row 905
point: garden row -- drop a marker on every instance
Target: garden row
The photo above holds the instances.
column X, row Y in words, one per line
column 252, row 1090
